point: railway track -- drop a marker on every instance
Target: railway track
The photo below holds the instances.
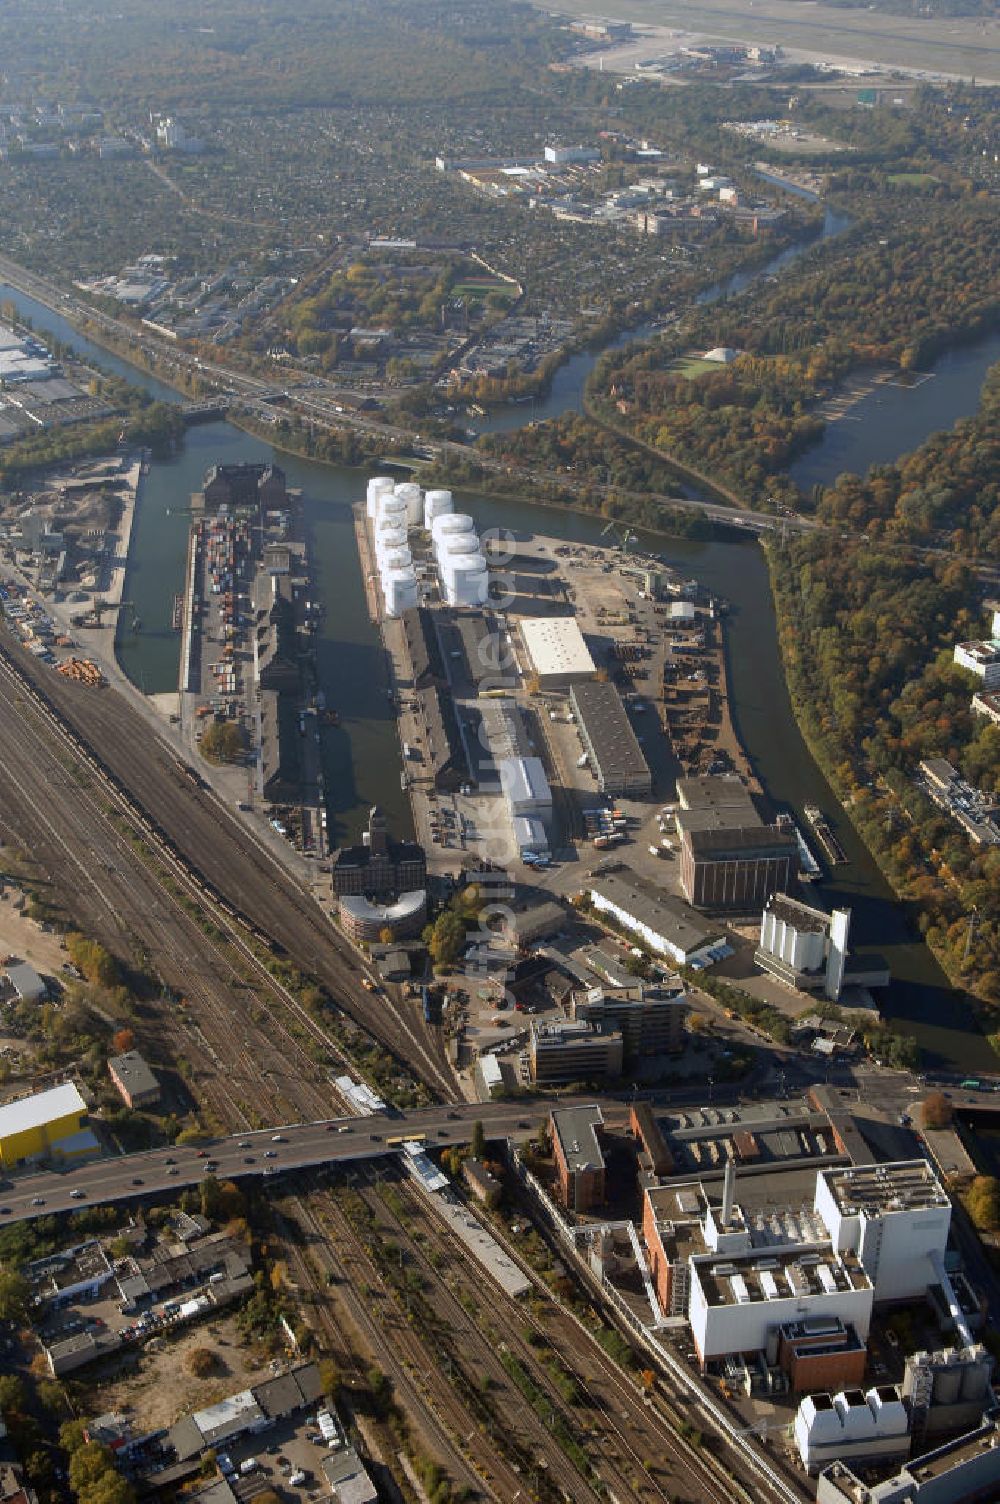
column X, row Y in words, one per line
column 422, row 1391
column 242, row 1039
column 223, row 858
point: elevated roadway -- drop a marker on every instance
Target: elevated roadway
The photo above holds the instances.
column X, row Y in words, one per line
column 265, row 1152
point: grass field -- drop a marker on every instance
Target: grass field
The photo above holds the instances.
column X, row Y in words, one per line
column 482, row 289
column 913, row 179
column 693, row 365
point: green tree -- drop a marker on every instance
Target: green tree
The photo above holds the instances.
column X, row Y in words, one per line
column 935, row 1110
column 478, row 1140
column 447, row 938
column 14, row 1293
column 12, row 1394
column 223, row 741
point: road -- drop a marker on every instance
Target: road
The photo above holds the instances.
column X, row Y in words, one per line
column 265, row 1152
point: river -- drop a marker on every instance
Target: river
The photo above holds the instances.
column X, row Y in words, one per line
column 362, row 756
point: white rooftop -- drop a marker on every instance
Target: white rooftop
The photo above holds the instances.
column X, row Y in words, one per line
column 555, row 645
column 44, row 1107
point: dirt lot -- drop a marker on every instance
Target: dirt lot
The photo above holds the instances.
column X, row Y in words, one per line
column 161, row 1388
column 22, row 937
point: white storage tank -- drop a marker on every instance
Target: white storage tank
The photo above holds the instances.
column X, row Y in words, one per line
column 391, row 505
column 396, row 558
column 467, row 584
column 451, row 522
column 388, row 542
column 410, row 493
column 455, row 545
column 436, row 504
column 376, row 486
column 400, row 591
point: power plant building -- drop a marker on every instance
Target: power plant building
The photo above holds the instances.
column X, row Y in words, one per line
column 608, row 739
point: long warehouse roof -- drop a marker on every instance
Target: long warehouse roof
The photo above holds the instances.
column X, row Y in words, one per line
column 41, row 1108
column 609, row 731
column 555, row 646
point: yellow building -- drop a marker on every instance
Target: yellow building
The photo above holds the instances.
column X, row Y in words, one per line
column 48, row 1123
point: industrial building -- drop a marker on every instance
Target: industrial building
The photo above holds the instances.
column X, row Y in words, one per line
column 736, row 869
column 803, row 946
column 249, row 1411
column 579, row 1159
column 562, row 1052
column 871, row 1427
column 244, row 485
column 447, row 765
column 526, row 788
column 379, row 867
column 894, row 1217
column 47, row 1123
column 487, row 656
column 973, row 810
column 276, row 650
column 133, row 1079
column 23, row 982
column 556, row 651
column 664, row 923
column 650, row 1019
column 423, row 651
column 610, row 743
column 963, row 1471
column 729, row 859
column 280, row 748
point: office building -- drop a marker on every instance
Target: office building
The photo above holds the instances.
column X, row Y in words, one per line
column 364, row 920
column 244, row 485
column 46, row 1123
column 579, row 1159
column 650, row 1019
column 663, row 923
column 563, row 156
column 556, row 651
column 608, row 739
column 379, row 867
column 563, row 1052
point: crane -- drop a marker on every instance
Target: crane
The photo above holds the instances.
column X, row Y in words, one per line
column 622, row 538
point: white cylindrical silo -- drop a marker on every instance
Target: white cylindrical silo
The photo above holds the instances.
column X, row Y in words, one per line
column 413, row 496
column 376, row 486
column 400, row 591
column 436, row 504
column 451, row 544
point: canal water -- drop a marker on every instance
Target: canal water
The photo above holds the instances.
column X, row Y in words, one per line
column 362, row 759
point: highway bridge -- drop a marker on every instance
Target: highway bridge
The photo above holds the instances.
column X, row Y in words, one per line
column 262, row 1153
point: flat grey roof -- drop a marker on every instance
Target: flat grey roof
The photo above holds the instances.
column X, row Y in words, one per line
column 576, row 1130
column 713, row 792
column 668, row 916
column 133, row 1072
column 612, row 740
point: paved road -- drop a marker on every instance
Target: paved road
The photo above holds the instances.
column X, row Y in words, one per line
column 267, row 1152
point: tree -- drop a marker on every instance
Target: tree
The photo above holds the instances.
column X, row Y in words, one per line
column 88, row 1465
column 447, row 938
column 223, row 741
column 12, row 1394
column 14, row 1293
column 329, row 1377
column 982, row 1201
column 123, row 1041
column 385, row 935
column 71, row 1436
column 478, row 1139
column 202, row 1362
column 936, row 1110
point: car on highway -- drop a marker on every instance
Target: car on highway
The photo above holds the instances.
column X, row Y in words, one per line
column 277, row 1138
column 173, row 1170
column 202, row 1154
column 270, row 1154
column 38, row 1200
column 4, row 1211
column 248, row 1159
column 77, row 1194
column 170, row 1160
column 137, row 1180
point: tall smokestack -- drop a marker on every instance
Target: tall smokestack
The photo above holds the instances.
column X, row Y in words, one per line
column 728, row 1189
